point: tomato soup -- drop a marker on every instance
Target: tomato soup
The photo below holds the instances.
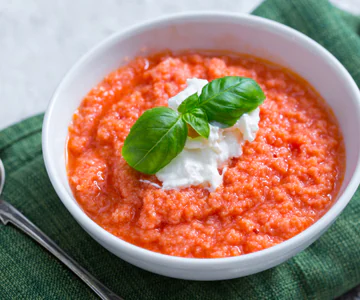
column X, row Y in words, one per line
column 285, row 180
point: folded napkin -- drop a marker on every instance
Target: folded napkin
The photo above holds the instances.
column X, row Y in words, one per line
column 330, row 267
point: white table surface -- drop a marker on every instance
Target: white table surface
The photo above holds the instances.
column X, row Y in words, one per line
column 41, row 39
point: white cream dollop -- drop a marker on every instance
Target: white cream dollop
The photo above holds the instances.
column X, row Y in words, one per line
column 201, row 158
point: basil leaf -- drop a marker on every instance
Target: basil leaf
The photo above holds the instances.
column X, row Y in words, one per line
column 225, row 99
column 189, row 103
column 156, row 138
column 198, row 120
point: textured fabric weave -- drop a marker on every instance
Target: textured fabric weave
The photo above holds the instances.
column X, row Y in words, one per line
column 327, row 269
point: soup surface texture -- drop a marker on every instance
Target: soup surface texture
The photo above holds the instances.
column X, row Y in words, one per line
column 285, row 180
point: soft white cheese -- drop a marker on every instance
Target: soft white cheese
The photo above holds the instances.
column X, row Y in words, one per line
column 201, row 158
column 194, row 85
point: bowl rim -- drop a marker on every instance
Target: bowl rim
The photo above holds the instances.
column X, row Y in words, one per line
column 143, row 254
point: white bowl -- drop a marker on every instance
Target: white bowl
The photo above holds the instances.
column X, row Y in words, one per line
column 211, row 31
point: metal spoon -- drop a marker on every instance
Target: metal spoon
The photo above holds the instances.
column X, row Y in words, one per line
column 10, row 214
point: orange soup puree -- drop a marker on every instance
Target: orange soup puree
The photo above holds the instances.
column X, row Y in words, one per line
column 284, row 181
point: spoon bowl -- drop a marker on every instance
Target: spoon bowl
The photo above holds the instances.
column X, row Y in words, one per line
column 2, row 176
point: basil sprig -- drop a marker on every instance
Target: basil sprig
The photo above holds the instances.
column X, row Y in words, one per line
column 159, row 134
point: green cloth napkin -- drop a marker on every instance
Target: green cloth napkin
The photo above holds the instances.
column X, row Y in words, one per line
column 330, row 267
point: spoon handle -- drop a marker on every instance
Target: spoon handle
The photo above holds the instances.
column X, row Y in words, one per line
column 10, row 214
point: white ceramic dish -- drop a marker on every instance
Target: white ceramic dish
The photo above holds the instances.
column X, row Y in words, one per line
column 212, row 31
